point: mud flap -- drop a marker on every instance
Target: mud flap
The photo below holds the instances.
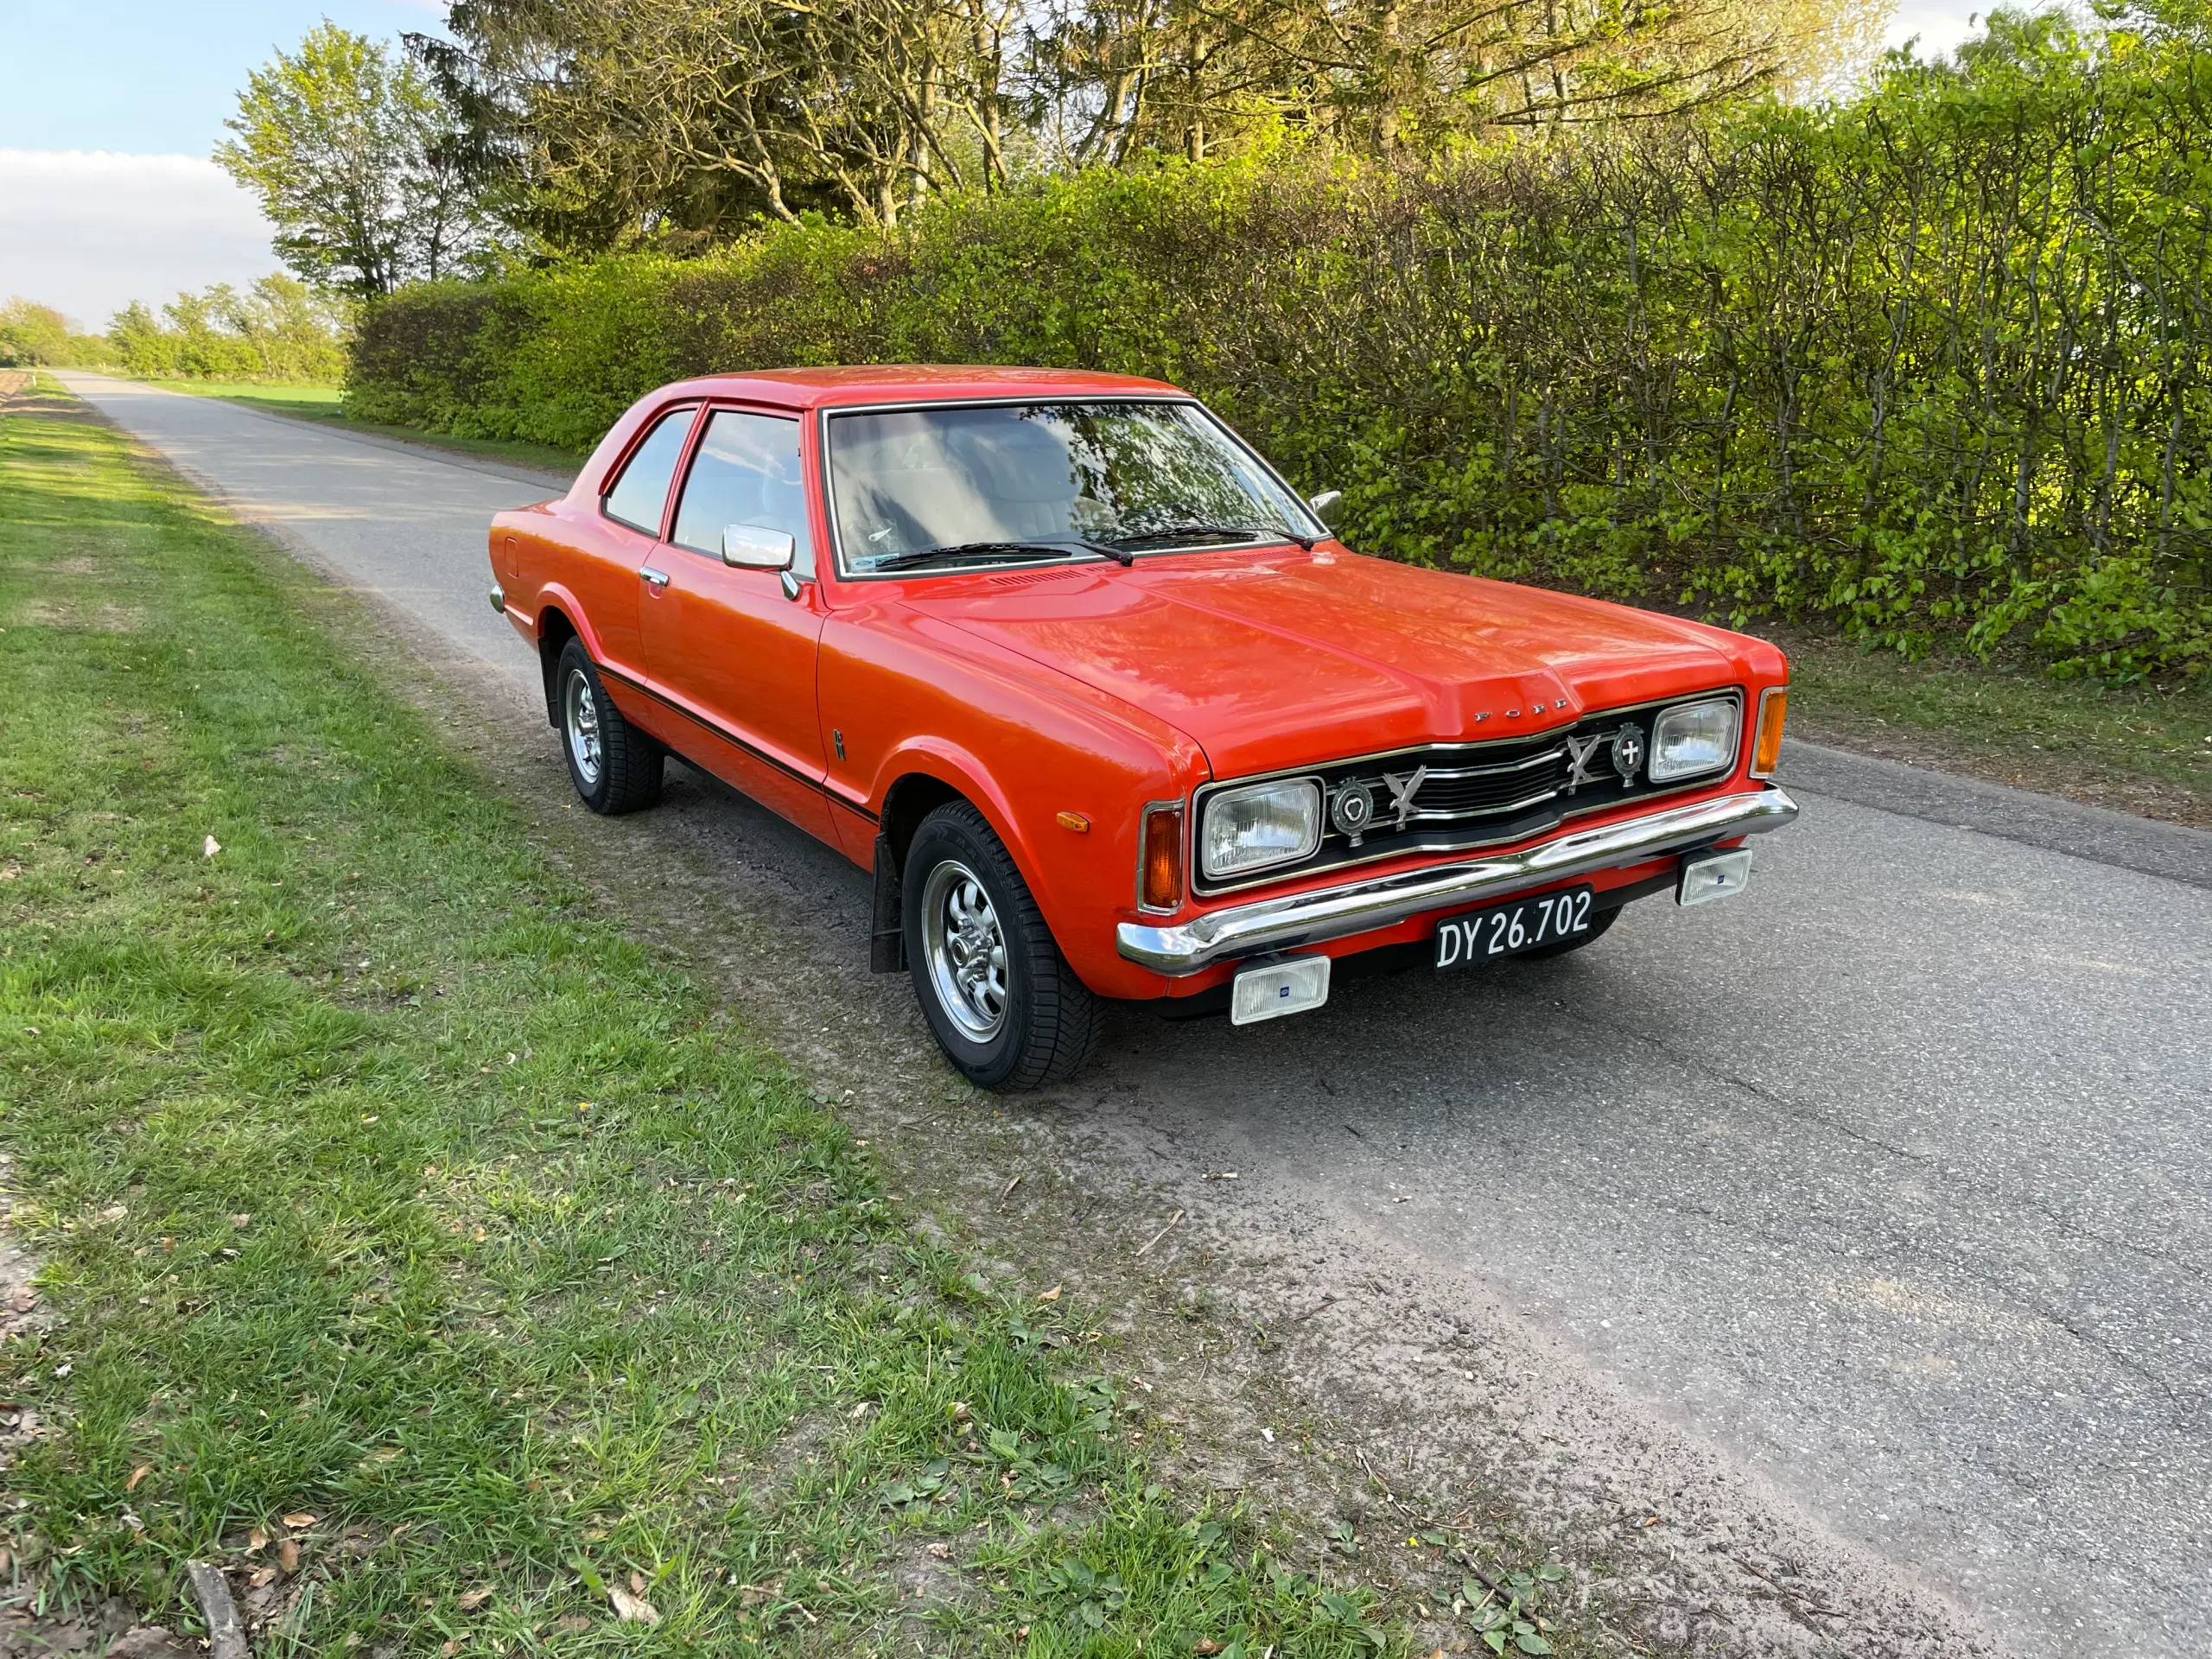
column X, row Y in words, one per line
column 886, row 947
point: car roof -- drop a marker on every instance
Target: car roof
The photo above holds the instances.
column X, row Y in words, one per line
column 911, row 382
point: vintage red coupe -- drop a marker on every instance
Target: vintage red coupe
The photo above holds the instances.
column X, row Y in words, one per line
column 1105, row 707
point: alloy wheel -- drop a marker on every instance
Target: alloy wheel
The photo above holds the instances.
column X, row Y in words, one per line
column 580, row 706
column 964, row 947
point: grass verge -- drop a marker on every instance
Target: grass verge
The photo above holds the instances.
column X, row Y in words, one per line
column 2134, row 749
column 440, row 1263
column 327, row 404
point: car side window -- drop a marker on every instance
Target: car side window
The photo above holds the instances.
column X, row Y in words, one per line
column 642, row 490
column 746, row 472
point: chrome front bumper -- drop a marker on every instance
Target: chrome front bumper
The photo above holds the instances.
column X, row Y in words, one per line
column 1360, row 906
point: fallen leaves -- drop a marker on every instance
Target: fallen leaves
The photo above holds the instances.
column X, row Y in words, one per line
column 1052, row 1295
column 473, row 1599
column 301, row 1519
column 287, row 1556
column 630, row 1606
column 137, row 1475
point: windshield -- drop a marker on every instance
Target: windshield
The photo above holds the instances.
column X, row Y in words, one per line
column 916, row 487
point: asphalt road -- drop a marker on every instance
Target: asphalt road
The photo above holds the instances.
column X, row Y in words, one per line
column 1888, row 1181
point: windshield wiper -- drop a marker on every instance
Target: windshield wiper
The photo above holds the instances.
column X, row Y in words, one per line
column 969, row 552
column 1214, row 533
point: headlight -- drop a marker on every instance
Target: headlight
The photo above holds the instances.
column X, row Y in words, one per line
column 1258, row 826
column 1694, row 737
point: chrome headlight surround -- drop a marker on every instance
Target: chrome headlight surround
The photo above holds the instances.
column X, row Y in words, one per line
column 1259, row 827
column 1692, row 739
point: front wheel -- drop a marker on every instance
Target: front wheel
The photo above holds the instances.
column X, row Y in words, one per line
column 615, row 766
column 1002, row 1000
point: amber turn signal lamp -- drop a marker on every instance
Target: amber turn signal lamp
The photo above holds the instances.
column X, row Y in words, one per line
column 1766, row 752
column 1075, row 821
column 1159, row 868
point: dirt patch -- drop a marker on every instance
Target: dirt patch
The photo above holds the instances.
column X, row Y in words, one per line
column 49, row 403
column 104, row 619
column 790, row 1455
column 109, row 1632
column 23, row 1317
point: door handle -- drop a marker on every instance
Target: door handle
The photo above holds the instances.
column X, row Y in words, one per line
column 657, row 578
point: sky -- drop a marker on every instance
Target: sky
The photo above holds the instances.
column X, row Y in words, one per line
column 109, row 110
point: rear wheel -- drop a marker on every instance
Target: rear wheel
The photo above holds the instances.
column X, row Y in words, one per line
column 615, row 766
column 1002, row 1000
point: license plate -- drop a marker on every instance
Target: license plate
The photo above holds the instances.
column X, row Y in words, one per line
column 1512, row 928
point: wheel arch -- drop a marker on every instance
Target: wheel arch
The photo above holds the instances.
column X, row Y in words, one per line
column 924, row 780
column 554, row 629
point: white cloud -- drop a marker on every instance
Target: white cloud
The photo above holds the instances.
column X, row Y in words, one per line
column 1937, row 25
column 88, row 232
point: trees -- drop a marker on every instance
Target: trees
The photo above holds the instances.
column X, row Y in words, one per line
column 33, row 336
column 665, row 120
column 360, row 164
column 279, row 329
column 670, row 123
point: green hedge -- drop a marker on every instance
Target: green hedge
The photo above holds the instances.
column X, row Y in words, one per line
column 1934, row 366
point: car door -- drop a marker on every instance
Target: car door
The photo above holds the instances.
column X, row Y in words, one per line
column 732, row 646
column 622, row 543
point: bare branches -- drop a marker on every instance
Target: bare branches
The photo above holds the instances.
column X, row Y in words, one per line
column 663, row 119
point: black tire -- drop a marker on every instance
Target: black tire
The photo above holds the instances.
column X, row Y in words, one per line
column 1047, row 1020
column 1598, row 924
column 615, row 766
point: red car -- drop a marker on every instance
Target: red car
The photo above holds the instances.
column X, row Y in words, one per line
column 1105, row 706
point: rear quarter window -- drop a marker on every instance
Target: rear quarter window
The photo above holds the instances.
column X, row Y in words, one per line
column 640, row 493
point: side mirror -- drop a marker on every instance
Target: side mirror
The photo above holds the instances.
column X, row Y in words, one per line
column 751, row 547
column 1328, row 506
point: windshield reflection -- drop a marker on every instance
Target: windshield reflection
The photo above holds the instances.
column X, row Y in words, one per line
column 1130, row 476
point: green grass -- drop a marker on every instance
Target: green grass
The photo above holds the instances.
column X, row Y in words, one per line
column 2136, row 748
column 327, row 404
column 378, row 1180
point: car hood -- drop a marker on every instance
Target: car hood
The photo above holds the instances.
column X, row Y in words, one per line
column 1287, row 660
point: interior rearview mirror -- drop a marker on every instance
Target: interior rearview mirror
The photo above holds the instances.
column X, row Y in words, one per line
column 754, row 547
column 1328, row 506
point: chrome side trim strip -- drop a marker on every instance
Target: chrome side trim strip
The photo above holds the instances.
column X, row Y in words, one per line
column 1360, row 906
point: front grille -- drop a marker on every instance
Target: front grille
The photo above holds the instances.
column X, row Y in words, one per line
column 1451, row 795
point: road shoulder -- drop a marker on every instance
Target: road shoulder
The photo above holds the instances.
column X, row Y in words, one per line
column 2150, row 846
